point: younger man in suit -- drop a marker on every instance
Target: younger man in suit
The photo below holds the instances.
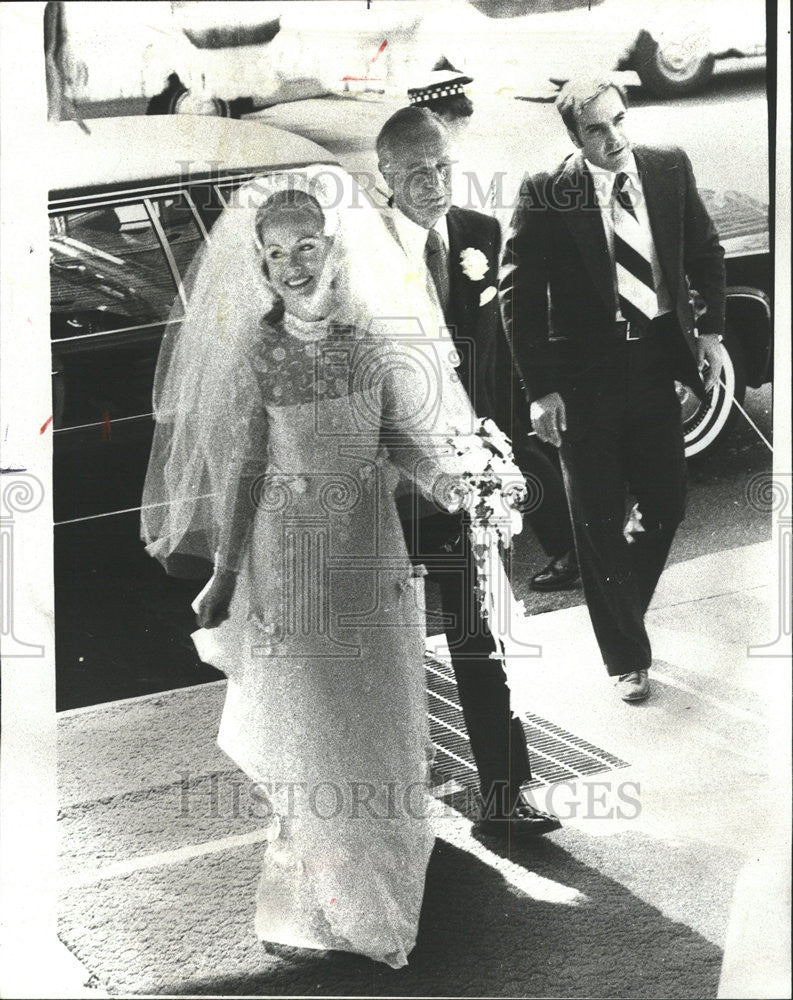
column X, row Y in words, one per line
column 595, row 295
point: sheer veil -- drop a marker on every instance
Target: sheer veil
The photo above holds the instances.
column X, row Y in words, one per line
column 205, row 351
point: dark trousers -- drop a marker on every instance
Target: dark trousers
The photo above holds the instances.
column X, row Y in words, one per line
column 624, row 435
column 546, row 504
column 498, row 742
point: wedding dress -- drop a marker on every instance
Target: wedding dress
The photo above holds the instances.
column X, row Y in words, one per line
column 325, row 708
column 323, row 649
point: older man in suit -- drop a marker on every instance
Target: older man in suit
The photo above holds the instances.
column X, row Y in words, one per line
column 596, row 299
column 457, row 252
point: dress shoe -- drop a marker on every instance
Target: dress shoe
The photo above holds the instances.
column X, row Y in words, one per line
column 634, row 686
column 525, row 820
column 561, row 573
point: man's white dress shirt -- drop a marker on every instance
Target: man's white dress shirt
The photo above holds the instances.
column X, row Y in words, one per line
column 413, row 239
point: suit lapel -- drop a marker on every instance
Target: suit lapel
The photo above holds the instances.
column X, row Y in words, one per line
column 660, row 186
column 456, row 311
column 574, row 188
column 460, row 314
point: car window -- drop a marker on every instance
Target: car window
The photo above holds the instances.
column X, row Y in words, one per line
column 226, row 189
column 119, row 266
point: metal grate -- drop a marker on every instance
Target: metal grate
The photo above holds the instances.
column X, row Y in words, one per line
column 556, row 755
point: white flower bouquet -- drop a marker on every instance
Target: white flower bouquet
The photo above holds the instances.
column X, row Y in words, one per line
column 491, row 485
column 491, row 488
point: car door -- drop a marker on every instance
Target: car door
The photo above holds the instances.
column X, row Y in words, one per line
column 116, row 271
column 117, row 265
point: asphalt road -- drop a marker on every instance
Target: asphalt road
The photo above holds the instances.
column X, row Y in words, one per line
column 122, row 628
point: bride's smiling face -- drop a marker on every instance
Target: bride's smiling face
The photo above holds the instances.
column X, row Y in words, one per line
column 295, row 250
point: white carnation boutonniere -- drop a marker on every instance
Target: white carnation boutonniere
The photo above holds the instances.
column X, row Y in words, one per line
column 474, row 263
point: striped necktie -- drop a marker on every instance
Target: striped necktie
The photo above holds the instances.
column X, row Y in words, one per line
column 437, row 266
column 635, row 286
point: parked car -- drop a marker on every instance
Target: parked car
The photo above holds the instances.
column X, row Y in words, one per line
column 130, row 203
column 274, row 51
column 672, row 47
column 742, row 224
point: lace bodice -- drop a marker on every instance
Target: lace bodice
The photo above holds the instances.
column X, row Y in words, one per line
column 350, row 391
column 299, row 362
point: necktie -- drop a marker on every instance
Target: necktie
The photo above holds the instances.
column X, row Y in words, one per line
column 437, row 266
column 635, row 286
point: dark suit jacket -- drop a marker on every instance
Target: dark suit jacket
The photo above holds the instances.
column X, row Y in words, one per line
column 486, row 368
column 557, row 291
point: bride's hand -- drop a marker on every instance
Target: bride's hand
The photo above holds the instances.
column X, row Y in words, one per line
column 213, row 608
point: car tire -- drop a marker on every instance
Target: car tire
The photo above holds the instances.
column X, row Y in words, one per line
column 669, row 71
column 707, row 425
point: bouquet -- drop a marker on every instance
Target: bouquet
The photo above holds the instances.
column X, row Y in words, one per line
column 491, row 488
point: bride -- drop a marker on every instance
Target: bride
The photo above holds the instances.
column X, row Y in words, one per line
column 292, row 395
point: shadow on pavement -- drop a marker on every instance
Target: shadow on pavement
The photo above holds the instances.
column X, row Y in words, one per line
column 478, row 936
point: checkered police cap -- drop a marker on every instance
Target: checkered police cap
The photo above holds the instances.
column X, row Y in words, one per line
column 438, row 85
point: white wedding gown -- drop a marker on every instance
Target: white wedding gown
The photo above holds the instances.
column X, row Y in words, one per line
column 325, row 707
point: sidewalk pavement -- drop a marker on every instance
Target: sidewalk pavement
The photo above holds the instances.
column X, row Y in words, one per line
column 161, row 839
